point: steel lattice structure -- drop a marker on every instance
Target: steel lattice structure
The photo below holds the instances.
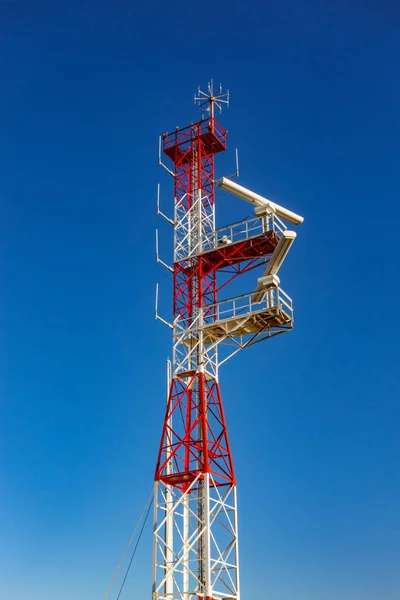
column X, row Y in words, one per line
column 195, row 539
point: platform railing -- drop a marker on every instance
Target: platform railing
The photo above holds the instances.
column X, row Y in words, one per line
column 186, row 135
column 243, row 230
column 233, row 308
column 241, row 306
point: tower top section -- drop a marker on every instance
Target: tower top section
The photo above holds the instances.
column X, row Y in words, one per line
column 202, row 139
column 209, row 99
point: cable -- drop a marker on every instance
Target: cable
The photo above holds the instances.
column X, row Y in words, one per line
column 147, row 507
column 135, row 548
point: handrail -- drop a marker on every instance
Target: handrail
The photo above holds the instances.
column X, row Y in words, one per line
column 242, row 230
column 185, row 134
column 240, row 306
column 244, row 305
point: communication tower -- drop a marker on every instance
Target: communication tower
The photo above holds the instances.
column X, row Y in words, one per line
column 195, row 535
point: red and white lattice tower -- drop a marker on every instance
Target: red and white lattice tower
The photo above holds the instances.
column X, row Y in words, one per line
column 195, row 509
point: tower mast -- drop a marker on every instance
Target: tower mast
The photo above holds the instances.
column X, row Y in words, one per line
column 195, row 538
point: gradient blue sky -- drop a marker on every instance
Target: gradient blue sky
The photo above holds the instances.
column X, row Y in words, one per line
column 314, row 415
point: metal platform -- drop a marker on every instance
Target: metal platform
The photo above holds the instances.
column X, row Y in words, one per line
column 178, row 145
column 241, row 316
column 254, row 323
column 246, row 240
column 244, row 230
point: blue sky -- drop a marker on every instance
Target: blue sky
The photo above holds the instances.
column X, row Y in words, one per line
column 313, row 415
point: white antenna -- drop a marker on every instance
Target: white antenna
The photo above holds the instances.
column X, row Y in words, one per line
column 242, row 192
column 159, row 212
column 169, row 376
column 210, row 98
column 236, row 173
column 156, row 315
column 269, row 278
column 158, row 259
column 160, row 162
